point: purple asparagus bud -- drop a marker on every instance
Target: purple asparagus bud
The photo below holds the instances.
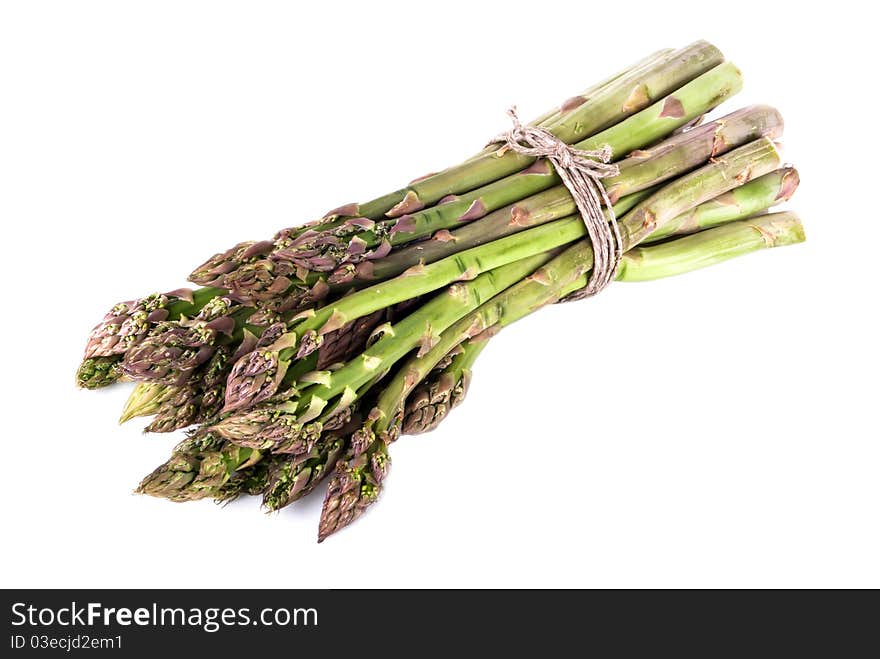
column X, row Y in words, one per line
column 264, row 428
column 355, row 485
column 178, row 406
column 254, row 378
column 213, row 384
column 177, row 411
column 309, row 342
column 172, row 350
column 260, row 280
column 221, row 264
column 344, row 343
column 302, row 442
column 277, row 429
column 170, row 353
column 125, row 323
column 265, row 315
column 270, row 334
column 432, row 401
column 292, row 476
column 357, row 478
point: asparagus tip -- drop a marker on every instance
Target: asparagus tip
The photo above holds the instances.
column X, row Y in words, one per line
column 98, row 372
column 144, row 400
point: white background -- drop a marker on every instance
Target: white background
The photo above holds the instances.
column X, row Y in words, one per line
column 724, row 435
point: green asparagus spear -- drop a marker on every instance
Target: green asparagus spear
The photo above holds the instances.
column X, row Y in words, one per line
column 363, row 466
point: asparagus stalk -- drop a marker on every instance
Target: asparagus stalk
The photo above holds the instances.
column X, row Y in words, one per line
column 420, row 328
column 447, row 385
column 288, row 424
column 639, row 130
column 256, row 376
column 620, row 99
column 361, row 470
column 554, row 115
column 364, row 239
column 292, row 359
column 675, row 155
column 203, row 464
column 175, row 351
column 640, row 172
column 181, row 406
column 628, row 94
column 661, row 162
column 171, row 352
column 705, row 248
column 433, row 401
column 746, row 200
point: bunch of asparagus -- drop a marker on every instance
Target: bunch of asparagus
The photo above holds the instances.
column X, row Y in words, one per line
column 305, row 356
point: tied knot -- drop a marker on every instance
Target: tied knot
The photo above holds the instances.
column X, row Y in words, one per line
column 581, row 172
column 563, row 155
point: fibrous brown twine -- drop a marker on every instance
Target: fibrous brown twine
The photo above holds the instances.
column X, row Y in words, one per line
column 581, row 172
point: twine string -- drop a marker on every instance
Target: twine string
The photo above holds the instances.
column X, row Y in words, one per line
column 581, row 172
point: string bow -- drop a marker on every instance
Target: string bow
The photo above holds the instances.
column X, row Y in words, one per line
column 581, row 172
